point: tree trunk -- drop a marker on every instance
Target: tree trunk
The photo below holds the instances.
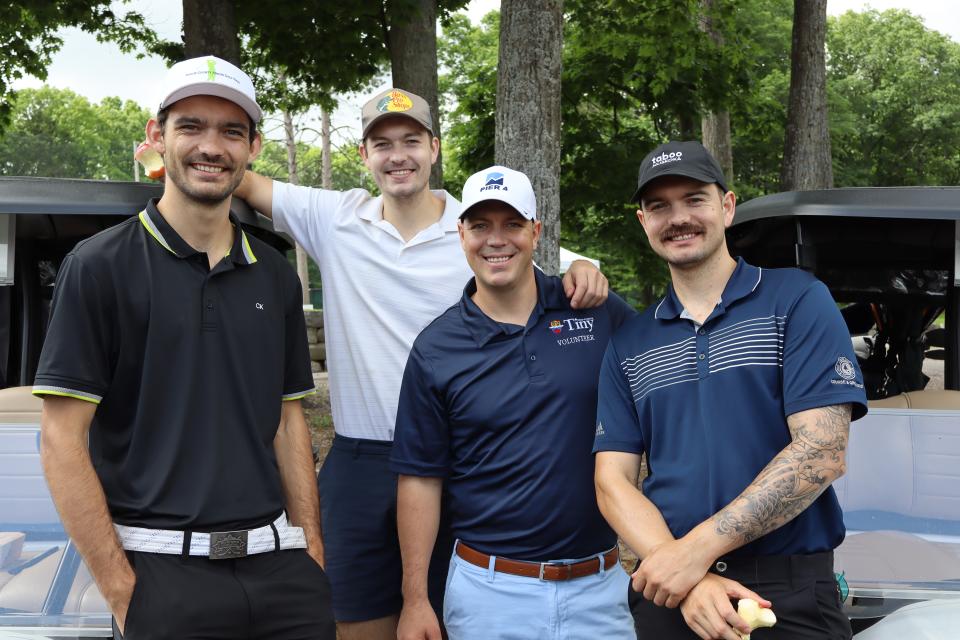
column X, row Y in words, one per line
column 293, row 178
column 412, row 43
column 806, row 155
column 210, row 28
column 326, row 162
column 716, row 138
column 715, row 126
column 528, row 108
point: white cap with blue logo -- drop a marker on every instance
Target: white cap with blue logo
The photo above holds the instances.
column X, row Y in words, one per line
column 500, row 183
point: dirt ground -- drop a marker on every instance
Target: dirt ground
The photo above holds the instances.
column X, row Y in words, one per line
column 320, row 422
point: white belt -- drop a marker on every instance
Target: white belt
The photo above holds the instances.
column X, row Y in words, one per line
column 217, row 545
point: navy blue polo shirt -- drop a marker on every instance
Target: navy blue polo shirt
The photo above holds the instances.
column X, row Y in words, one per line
column 708, row 404
column 188, row 366
column 505, row 414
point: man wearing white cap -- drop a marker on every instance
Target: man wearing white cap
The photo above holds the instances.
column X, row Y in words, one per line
column 177, row 349
column 498, row 402
column 390, row 264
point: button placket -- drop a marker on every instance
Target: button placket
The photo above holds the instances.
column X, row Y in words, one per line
column 703, row 350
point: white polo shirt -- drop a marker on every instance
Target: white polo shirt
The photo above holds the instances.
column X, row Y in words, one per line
column 379, row 292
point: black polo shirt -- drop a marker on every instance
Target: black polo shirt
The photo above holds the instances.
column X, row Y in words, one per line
column 506, row 414
column 189, row 367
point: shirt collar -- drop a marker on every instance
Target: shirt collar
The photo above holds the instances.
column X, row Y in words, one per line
column 550, row 296
column 743, row 281
column 448, row 221
column 165, row 235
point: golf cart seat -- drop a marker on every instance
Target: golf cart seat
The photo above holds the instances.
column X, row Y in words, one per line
column 19, row 406
column 940, row 399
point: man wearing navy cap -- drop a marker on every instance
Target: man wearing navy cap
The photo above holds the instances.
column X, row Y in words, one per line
column 173, row 439
column 497, row 401
column 739, row 386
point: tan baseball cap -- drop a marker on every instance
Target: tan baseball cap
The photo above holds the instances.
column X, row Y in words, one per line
column 395, row 102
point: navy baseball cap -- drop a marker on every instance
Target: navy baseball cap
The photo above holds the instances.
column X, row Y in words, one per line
column 689, row 159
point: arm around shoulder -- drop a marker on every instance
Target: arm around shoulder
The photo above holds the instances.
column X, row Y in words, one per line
column 257, row 191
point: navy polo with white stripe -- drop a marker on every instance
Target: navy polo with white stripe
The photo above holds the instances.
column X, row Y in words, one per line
column 505, row 414
column 188, row 366
column 708, row 404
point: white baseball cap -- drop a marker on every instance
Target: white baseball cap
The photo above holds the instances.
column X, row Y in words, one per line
column 210, row 76
column 500, row 183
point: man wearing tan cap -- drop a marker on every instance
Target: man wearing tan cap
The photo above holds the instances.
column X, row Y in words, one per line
column 390, row 264
column 173, row 440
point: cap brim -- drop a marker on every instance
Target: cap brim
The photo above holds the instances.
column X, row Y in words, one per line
column 466, row 209
column 390, row 114
column 220, row 91
column 696, row 175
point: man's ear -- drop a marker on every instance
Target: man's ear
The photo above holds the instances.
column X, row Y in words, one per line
column 729, row 203
column 155, row 135
column 434, row 149
column 255, row 147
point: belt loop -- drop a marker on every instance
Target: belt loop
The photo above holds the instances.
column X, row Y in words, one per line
column 356, row 449
column 491, row 568
column 602, row 562
column 185, row 552
column 276, row 537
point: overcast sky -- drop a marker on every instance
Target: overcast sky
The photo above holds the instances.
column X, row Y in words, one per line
column 98, row 70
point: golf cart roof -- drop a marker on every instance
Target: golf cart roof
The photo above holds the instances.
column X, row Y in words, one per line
column 862, row 242
column 918, row 203
column 28, row 197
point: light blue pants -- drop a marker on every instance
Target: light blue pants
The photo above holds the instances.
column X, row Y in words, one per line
column 481, row 604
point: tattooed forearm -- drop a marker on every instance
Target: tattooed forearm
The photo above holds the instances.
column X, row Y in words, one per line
column 793, row 479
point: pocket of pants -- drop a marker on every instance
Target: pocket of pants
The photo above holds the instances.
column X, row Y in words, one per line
column 132, row 608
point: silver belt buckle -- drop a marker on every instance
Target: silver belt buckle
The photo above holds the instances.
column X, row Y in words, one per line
column 228, row 544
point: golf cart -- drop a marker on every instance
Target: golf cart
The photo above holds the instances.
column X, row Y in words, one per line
column 45, row 589
column 891, row 259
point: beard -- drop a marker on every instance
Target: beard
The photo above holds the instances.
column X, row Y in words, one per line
column 202, row 193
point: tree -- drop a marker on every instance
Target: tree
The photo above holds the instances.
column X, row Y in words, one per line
column 412, row 42
column 895, row 118
column 210, row 28
column 57, row 133
column 806, row 155
column 28, row 36
column 715, row 125
column 528, row 108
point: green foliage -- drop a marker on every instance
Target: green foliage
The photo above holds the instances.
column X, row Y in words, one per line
column 28, row 36
column 468, row 53
column 347, row 167
column 57, row 133
column 896, row 117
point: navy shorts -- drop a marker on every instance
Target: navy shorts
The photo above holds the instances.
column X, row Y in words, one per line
column 358, row 507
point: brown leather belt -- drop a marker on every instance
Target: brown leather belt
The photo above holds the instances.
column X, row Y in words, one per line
column 542, row 570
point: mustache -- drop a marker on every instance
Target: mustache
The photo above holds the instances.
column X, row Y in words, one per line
column 210, row 159
column 680, row 230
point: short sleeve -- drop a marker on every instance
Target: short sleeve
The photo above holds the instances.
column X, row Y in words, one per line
column 306, row 213
column 298, row 375
column 76, row 360
column 618, row 426
column 421, row 440
column 819, row 365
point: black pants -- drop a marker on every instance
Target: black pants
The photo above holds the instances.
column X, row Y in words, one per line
column 802, row 589
column 280, row 595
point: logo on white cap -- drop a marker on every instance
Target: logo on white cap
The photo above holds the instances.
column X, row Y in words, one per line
column 503, row 184
column 210, row 76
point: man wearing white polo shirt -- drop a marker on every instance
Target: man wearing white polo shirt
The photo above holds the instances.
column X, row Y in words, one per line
column 390, row 264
